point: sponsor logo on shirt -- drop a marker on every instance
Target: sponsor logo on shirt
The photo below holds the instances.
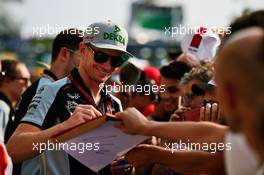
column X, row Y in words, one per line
column 71, row 105
column 74, row 96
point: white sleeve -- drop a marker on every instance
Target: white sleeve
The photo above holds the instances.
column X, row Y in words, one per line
column 4, row 117
column 240, row 160
column 39, row 106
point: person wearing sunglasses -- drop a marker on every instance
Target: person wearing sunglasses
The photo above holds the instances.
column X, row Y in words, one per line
column 194, row 87
column 73, row 100
column 15, row 79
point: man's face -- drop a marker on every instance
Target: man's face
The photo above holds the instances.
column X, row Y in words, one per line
column 21, row 81
column 239, row 86
column 98, row 72
column 226, row 76
column 171, row 94
column 242, row 116
column 140, row 101
column 189, row 98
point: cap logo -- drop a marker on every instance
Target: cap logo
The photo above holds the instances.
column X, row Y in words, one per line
column 197, row 38
column 114, row 36
column 196, row 41
column 117, row 29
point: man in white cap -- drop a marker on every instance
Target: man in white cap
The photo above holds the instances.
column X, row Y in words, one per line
column 73, row 100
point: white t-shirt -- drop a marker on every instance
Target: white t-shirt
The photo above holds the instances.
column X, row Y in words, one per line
column 4, row 117
column 240, row 160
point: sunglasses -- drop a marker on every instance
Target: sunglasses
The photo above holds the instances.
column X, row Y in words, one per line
column 197, row 90
column 26, row 81
column 115, row 61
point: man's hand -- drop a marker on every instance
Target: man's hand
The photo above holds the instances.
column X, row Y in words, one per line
column 82, row 114
column 176, row 116
column 133, row 122
column 140, row 156
column 210, row 113
column 30, row 134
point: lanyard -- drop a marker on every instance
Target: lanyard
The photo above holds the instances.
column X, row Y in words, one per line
column 90, row 100
column 88, row 97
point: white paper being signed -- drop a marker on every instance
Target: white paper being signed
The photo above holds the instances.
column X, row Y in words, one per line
column 113, row 143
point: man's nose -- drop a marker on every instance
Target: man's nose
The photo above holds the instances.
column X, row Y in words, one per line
column 28, row 83
column 107, row 65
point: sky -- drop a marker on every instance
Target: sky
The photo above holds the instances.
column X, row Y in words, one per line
column 34, row 14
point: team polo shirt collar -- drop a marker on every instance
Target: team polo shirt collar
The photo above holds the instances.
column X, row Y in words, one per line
column 50, row 74
column 76, row 75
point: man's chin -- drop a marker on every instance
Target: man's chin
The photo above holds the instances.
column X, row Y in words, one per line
column 101, row 80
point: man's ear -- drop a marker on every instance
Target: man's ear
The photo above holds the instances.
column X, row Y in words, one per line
column 231, row 106
column 116, row 71
column 230, row 95
column 82, row 48
column 63, row 55
column 260, row 126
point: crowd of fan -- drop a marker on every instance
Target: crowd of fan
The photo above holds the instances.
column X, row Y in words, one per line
column 212, row 93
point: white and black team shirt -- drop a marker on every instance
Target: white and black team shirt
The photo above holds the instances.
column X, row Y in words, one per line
column 53, row 104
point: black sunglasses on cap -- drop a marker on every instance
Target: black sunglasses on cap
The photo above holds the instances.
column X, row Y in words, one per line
column 101, row 57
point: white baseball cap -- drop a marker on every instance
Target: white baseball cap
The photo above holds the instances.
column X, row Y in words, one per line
column 107, row 35
column 202, row 43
